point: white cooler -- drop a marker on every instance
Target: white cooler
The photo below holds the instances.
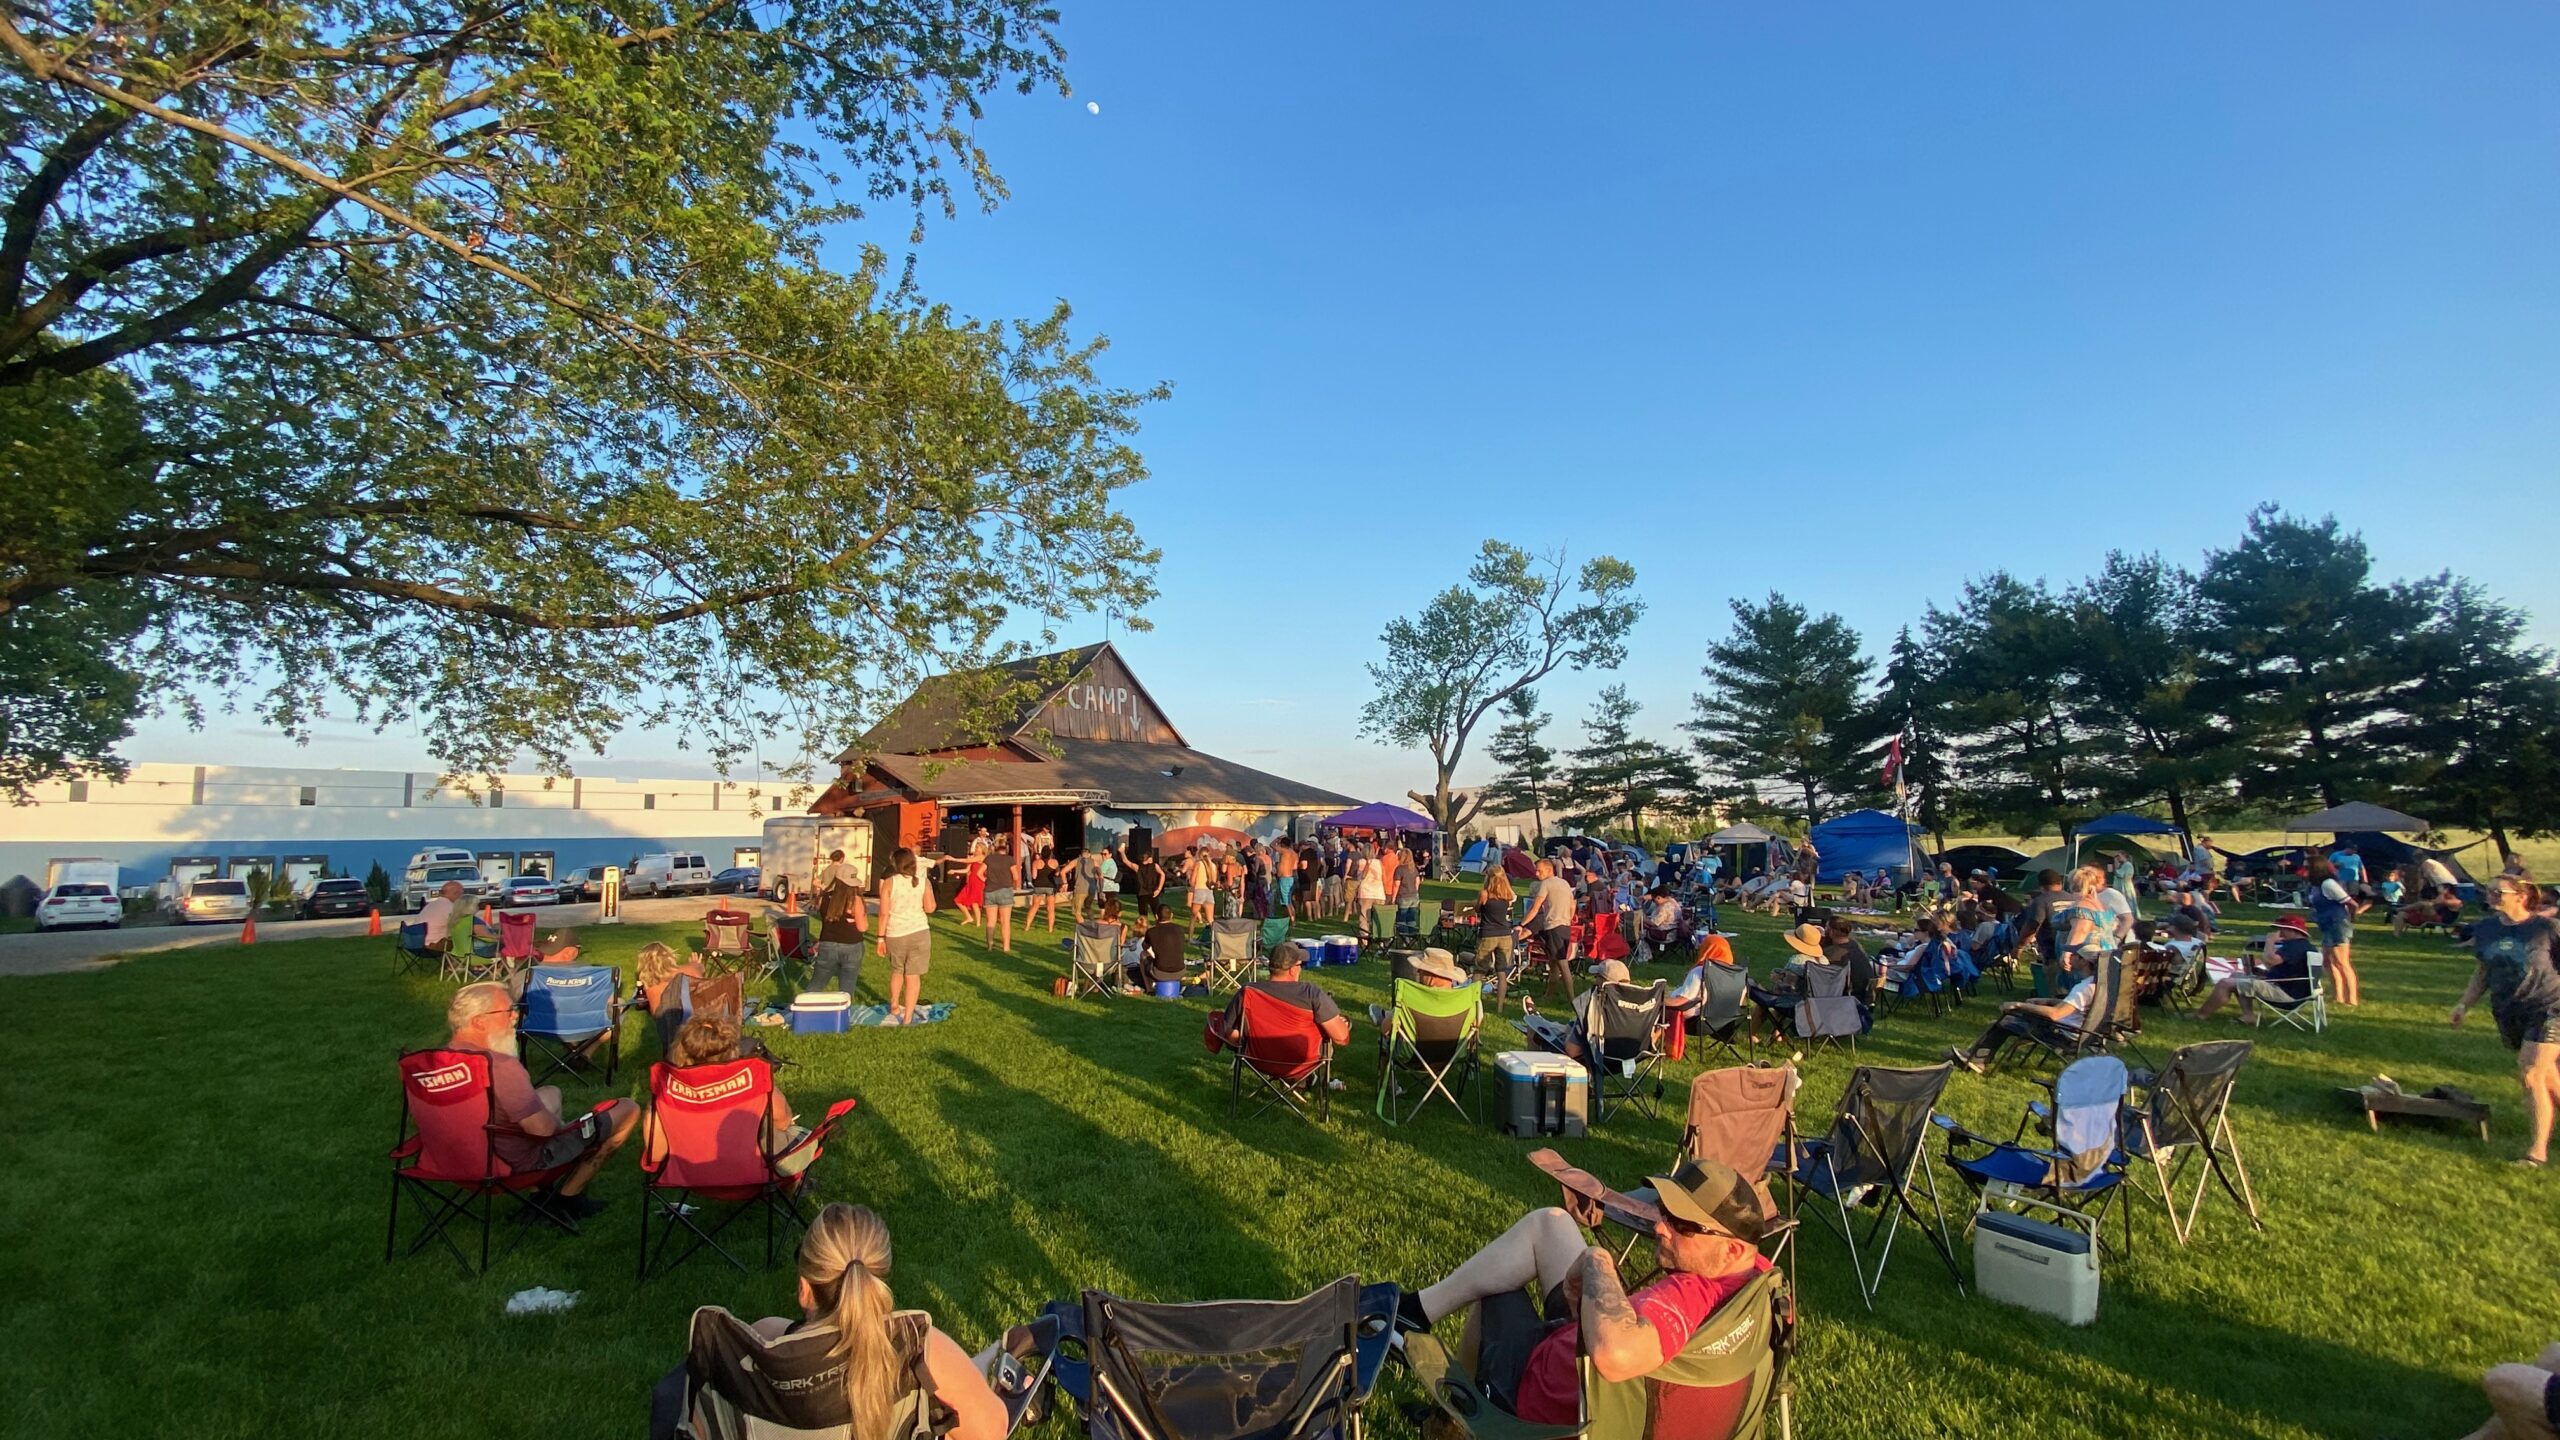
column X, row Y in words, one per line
column 2050, row 1269
column 822, row 1012
column 1543, row 1093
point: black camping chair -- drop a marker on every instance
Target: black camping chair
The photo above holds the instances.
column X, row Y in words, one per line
column 738, row 1382
column 1874, row 1156
column 1270, row 1369
column 1623, row 1030
column 1718, row 1019
column 2184, row 1118
column 1828, row 1014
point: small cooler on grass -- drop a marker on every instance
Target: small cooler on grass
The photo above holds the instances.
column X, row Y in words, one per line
column 2050, row 1269
column 822, row 1012
column 1543, row 1093
column 1341, row 950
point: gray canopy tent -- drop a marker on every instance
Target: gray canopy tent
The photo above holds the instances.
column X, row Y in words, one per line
column 2356, row 817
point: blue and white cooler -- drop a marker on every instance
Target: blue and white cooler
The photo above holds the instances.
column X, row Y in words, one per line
column 821, row 1012
column 1342, row 950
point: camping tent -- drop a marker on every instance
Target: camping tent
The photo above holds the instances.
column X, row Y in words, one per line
column 2089, row 850
column 2353, row 816
column 1745, row 833
column 2125, row 822
column 1730, row 843
column 1518, row 863
column 1864, row 840
column 2004, row 864
column 1480, row 857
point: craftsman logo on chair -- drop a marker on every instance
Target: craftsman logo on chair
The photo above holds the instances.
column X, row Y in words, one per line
column 737, row 1082
column 435, row 1082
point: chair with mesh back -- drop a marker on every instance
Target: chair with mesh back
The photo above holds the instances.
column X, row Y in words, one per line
column 2184, row 1120
column 1740, row 1116
column 1230, row 953
column 1874, row 1156
column 1431, row 1035
column 1093, row 960
column 1828, row 1013
column 725, row 942
column 743, row 1384
column 515, row 938
column 411, row 954
column 1622, row 1037
column 568, row 1014
column 1215, row 1370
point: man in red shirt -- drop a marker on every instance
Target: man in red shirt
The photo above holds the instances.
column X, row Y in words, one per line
column 1527, row 1357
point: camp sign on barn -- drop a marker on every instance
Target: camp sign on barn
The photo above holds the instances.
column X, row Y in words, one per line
column 1103, row 703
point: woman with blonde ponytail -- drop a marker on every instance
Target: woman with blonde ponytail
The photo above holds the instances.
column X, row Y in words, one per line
column 844, row 1285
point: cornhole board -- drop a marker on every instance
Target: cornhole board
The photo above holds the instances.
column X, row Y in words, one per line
column 2378, row 1103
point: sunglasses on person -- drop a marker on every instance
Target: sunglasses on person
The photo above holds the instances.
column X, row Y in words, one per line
column 1693, row 1228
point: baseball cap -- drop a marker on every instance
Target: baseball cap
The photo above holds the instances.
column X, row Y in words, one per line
column 1709, row 1192
column 1612, row 971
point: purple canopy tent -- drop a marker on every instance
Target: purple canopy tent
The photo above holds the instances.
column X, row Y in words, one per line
column 1378, row 816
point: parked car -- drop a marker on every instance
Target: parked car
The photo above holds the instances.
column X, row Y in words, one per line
column 582, row 885
column 335, row 897
column 528, row 890
column 79, row 902
column 213, row 899
column 736, row 880
column 665, row 873
column 430, row 879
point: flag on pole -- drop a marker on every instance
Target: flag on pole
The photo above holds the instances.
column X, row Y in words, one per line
column 1893, row 763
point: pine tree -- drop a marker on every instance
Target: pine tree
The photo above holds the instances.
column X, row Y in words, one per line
column 1615, row 775
column 1528, row 779
column 1781, row 703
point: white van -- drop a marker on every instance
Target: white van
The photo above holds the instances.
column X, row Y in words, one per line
column 679, row 872
column 413, row 880
column 433, row 878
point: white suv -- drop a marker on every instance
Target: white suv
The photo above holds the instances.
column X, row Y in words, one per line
column 76, row 903
column 213, row 899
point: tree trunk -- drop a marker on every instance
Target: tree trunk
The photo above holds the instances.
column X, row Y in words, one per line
column 2498, row 837
column 2178, row 812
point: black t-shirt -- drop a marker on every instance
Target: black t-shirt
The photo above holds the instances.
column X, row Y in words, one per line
column 1493, row 914
column 1165, row 945
column 2518, row 960
column 2033, row 921
column 840, row 915
column 1150, row 876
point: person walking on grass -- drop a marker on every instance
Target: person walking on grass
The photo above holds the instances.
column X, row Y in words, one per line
column 972, row 898
column 1368, row 886
column 905, row 940
column 2334, row 908
column 995, row 911
column 2517, row 950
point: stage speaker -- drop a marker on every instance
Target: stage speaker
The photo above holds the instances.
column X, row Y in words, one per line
column 1142, row 841
column 955, row 839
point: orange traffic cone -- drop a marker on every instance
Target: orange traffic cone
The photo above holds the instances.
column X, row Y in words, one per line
column 488, row 916
column 790, row 902
column 373, row 922
column 249, row 931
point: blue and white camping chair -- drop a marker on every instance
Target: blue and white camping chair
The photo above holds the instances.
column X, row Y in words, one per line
column 568, row 1012
column 2082, row 1170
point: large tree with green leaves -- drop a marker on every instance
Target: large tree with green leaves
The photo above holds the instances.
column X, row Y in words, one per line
column 1518, row 619
column 2306, row 659
column 1781, row 706
column 2137, row 630
column 2003, row 678
column 492, row 367
column 2481, row 731
column 1906, row 710
column 1616, row 774
column 1528, row 779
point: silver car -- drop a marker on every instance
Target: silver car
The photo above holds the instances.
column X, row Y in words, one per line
column 212, row 900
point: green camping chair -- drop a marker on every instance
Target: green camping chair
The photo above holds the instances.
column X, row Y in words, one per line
column 1275, row 933
column 1432, row 1034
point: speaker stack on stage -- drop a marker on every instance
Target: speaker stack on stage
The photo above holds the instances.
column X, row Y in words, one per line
column 1142, row 841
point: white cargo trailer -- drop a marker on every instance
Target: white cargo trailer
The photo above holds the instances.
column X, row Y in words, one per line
column 796, row 848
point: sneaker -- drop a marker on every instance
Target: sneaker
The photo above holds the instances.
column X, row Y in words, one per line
column 1967, row 1059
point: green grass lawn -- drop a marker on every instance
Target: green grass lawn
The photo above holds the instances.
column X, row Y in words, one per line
column 193, row 1187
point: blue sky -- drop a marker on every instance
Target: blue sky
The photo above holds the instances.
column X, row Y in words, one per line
column 1849, row 301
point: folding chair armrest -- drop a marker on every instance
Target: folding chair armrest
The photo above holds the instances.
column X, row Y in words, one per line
column 819, row 1132
column 1375, row 1335
column 408, row 1149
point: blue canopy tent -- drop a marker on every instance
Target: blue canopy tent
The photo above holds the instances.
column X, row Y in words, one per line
column 1480, row 857
column 1863, row 840
column 2128, row 825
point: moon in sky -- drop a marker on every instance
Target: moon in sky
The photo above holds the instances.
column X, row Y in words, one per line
column 1093, row 107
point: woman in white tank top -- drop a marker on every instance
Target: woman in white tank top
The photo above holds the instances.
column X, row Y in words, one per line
column 905, row 939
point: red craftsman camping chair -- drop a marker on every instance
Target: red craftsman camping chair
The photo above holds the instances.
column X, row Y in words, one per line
column 515, row 938
column 447, row 1154
column 1287, row 1055
column 716, row 1123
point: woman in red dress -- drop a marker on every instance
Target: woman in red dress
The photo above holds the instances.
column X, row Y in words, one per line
column 973, row 890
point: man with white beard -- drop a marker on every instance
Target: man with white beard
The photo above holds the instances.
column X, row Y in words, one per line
column 483, row 1018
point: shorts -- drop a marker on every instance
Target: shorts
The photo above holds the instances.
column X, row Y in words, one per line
column 2258, row 987
column 2530, row 1027
column 1199, row 895
column 1509, row 1327
column 1038, row 891
column 910, row 954
column 565, row 1147
column 1288, row 888
column 999, row 897
column 2337, row 930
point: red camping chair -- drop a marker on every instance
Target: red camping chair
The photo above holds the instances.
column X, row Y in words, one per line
column 716, row 1122
column 1286, row 1053
column 447, row 1154
column 1606, row 941
column 515, row 938
column 790, row 938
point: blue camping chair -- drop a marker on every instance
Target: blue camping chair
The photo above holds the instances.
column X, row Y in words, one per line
column 566, row 1011
column 2082, row 1170
column 1927, row 977
column 410, row 951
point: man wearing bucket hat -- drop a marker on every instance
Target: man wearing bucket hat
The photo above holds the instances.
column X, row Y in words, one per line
column 1436, row 969
column 1705, row 1239
column 2280, row 976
